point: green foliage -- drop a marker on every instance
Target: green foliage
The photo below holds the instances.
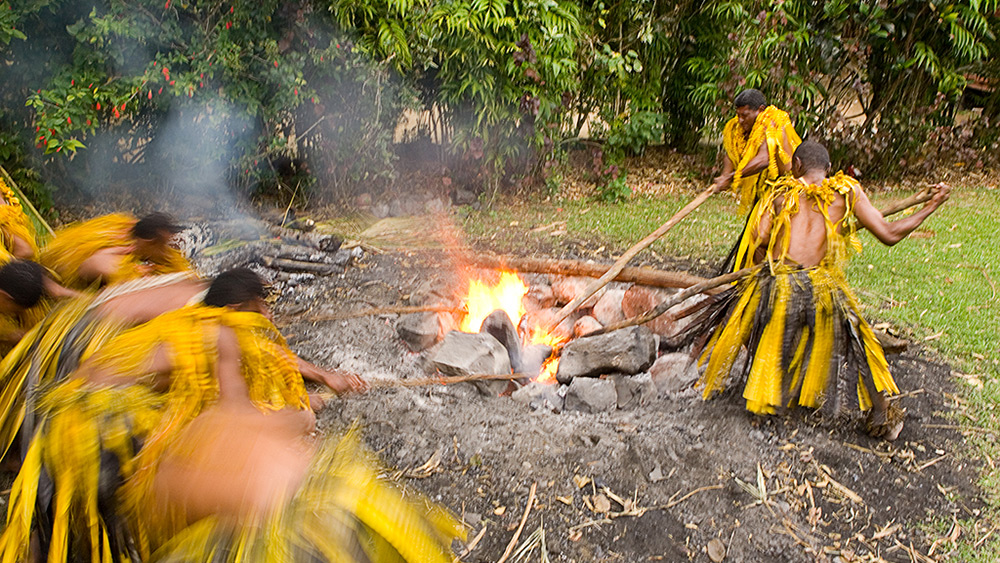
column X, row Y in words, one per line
column 505, row 84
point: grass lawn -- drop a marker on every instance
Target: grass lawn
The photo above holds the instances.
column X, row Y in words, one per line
column 939, row 287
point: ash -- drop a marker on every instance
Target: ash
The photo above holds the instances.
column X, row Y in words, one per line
column 655, row 481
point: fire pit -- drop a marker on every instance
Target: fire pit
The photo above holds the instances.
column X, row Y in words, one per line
column 502, row 322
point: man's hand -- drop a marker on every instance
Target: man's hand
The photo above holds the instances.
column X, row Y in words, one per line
column 342, row 383
column 721, row 182
column 940, row 193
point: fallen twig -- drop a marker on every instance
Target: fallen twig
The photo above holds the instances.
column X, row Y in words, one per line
column 520, row 527
column 927, row 464
column 959, row 427
column 588, row 524
column 673, row 503
column 471, row 545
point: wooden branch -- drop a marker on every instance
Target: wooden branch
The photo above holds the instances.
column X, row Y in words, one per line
column 446, row 379
column 903, row 204
column 384, row 311
column 641, row 276
column 520, row 527
column 437, row 380
column 629, row 254
column 679, row 298
column 286, row 264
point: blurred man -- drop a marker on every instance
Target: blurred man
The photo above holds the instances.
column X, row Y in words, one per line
column 808, row 343
column 114, row 248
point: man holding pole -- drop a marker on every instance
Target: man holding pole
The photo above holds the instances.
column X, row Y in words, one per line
column 758, row 145
column 808, row 344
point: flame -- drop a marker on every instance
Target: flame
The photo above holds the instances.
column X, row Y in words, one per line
column 548, row 373
column 483, row 298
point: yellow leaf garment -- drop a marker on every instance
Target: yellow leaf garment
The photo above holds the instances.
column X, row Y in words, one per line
column 14, row 223
column 100, row 495
column 806, row 342
column 74, row 244
column 343, row 512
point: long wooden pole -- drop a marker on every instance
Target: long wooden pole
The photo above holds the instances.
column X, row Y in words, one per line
column 903, row 204
column 629, row 254
column 438, row 380
column 678, row 298
column 641, row 276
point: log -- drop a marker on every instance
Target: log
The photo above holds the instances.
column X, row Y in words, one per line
column 679, row 298
column 288, row 265
column 619, row 265
column 641, row 276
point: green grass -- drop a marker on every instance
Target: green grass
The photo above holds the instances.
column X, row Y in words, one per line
column 702, row 235
column 940, row 287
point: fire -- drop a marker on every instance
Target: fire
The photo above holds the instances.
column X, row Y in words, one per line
column 483, row 298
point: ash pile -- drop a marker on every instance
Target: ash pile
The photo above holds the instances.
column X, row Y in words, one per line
column 569, row 369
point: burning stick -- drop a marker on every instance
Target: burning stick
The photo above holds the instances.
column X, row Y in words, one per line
column 629, row 254
column 680, row 297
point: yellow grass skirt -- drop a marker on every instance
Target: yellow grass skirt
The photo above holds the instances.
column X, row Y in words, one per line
column 807, row 344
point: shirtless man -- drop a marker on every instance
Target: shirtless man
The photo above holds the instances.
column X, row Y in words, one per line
column 797, row 316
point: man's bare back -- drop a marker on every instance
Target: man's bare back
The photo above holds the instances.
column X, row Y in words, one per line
column 807, row 230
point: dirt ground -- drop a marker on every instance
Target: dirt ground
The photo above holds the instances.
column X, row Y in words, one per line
column 659, row 482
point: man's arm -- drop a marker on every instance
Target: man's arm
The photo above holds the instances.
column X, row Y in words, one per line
column 759, row 162
column 889, row 233
column 21, row 248
column 338, row 381
column 723, row 181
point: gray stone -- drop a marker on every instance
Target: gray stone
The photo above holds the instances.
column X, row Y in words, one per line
column 419, row 331
column 585, row 325
column 539, row 296
column 436, row 205
column 463, row 197
column 608, row 309
column 462, row 353
column 591, row 395
column 499, row 325
column 541, row 396
column 634, row 390
column 567, row 289
column 681, row 324
column 629, row 351
column 543, row 318
column 674, row 372
column 533, row 358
